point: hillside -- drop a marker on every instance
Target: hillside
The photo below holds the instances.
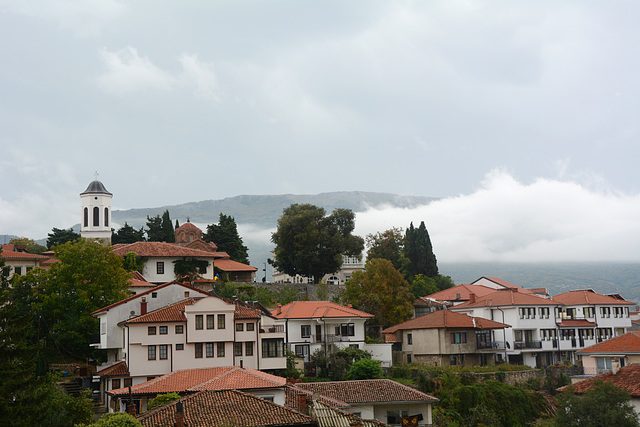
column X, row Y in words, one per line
column 264, row 211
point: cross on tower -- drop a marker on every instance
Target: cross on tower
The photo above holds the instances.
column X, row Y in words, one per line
column 96, row 175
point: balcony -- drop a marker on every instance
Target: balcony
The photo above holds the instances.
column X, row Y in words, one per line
column 525, row 345
column 277, row 329
column 492, row 345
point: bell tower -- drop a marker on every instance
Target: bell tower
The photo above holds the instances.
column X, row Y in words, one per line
column 96, row 212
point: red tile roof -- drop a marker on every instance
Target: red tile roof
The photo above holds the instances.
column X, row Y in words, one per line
column 171, row 313
column 230, row 265
column 120, row 369
column 446, row 319
column 244, row 312
column 508, row 297
column 161, row 249
column 464, row 291
column 147, row 292
column 225, row 408
column 316, row 310
column 219, row 378
column 188, row 226
column 627, row 378
column 504, row 283
column 588, row 296
column 624, row 344
column 572, row 323
column 22, row 255
column 367, row 391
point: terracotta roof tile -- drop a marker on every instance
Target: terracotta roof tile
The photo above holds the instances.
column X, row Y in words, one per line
column 230, row 265
column 161, row 249
column 292, row 393
column 21, row 255
column 120, row 369
column 244, row 312
column 171, row 313
column 188, row 226
column 446, row 319
column 451, row 294
column 218, row 378
column 572, row 323
column 367, row 391
column 507, row 297
column 627, row 378
column 624, row 344
column 225, row 408
column 316, row 309
column 588, row 296
column 147, row 292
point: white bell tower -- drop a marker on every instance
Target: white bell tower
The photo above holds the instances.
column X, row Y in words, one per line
column 96, row 212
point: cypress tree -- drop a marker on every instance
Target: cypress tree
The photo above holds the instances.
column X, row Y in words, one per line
column 419, row 251
column 167, row 228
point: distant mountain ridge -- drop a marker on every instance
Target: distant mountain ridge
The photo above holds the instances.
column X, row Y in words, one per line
column 265, row 210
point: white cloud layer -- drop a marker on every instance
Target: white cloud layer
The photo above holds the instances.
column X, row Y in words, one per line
column 506, row 220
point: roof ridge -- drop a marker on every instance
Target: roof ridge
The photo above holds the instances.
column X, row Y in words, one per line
column 211, row 379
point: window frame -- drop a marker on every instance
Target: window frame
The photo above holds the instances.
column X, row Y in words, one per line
column 163, row 330
column 151, row 330
column 151, row 352
column 222, row 321
column 220, row 349
column 159, row 267
column 199, row 322
column 163, row 352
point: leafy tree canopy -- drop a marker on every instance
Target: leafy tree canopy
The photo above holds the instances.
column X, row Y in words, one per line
column 116, row 419
column 225, row 235
column 59, row 236
column 365, row 369
column 312, row 244
column 29, row 244
column 162, row 399
column 127, row 234
column 380, row 290
column 336, row 364
column 389, row 245
column 603, row 405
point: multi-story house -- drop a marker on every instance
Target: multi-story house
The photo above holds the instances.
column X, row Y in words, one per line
column 445, row 338
column 612, row 354
column 350, row 264
column 20, row 261
column 325, row 325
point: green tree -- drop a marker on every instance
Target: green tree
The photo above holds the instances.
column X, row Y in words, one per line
column 225, row 235
column 380, row 290
column 59, row 236
column 365, row 369
column 603, row 405
column 389, row 245
column 312, row 244
column 127, row 234
column 162, row 399
column 89, row 276
column 133, row 262
column 189, row 267
column 29, row 244
column 116, row 419
column 419, row 252
column 336, row 364
column 155, row 233
column 167, row 228
column 422, row 286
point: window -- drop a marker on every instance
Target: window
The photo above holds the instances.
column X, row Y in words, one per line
column 115, row 383
column 203, row 269
column 273, row 347
column 544, row 312
column 163, row 330
column 160, row 267
column 31, row 268
column 248, row 348
column 128, row 382
column 527, row 312
column 237, row 349
column 17, row 270
column 605, row 312
column 458, row 337
column 106, row 217
column 626, row 311
column 588, row 311
column 209, row 349
column 618, row 312
column 179, row 329
column 154, row 295
column 151, row 330
column 239, row 327
column 408, row 358
column 179, row 347
column 395, row 417
column 410, row 339
column 221, row 321
column 86, row 217
column 305, row 331
column 151, row 352
column 250, row 327
column 163, row 352
column 96, row 217
column 220, row 349
column 347, row 329
column 198, row 321
column 211, row 321
column 198, row 348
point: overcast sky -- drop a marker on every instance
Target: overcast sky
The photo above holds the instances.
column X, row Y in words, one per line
column 522, row 115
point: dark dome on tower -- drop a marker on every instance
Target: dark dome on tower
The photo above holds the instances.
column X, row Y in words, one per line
column 96, row 187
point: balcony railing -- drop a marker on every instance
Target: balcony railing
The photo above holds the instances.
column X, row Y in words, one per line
column 523, row 345
column 272, row 329
column 490, row 345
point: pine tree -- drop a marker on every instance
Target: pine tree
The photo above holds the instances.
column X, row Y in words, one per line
column 167, row 228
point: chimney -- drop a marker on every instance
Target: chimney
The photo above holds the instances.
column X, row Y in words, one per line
column 131, row 407
column 143, row 306
column 278, row 308
column 350, row 306
column 179, row 414
column 303, row 404
column 615, row 366
column 472, row 298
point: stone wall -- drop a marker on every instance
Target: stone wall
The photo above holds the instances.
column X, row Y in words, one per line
column 306, row 291
column 508, row 377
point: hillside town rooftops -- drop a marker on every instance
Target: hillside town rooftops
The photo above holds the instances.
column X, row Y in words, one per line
column 507, row 297
column 316, row 309
column 588, row 297
column 161, row 249
column 446, row 319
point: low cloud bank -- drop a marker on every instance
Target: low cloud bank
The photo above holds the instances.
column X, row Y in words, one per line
column 506, row 220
